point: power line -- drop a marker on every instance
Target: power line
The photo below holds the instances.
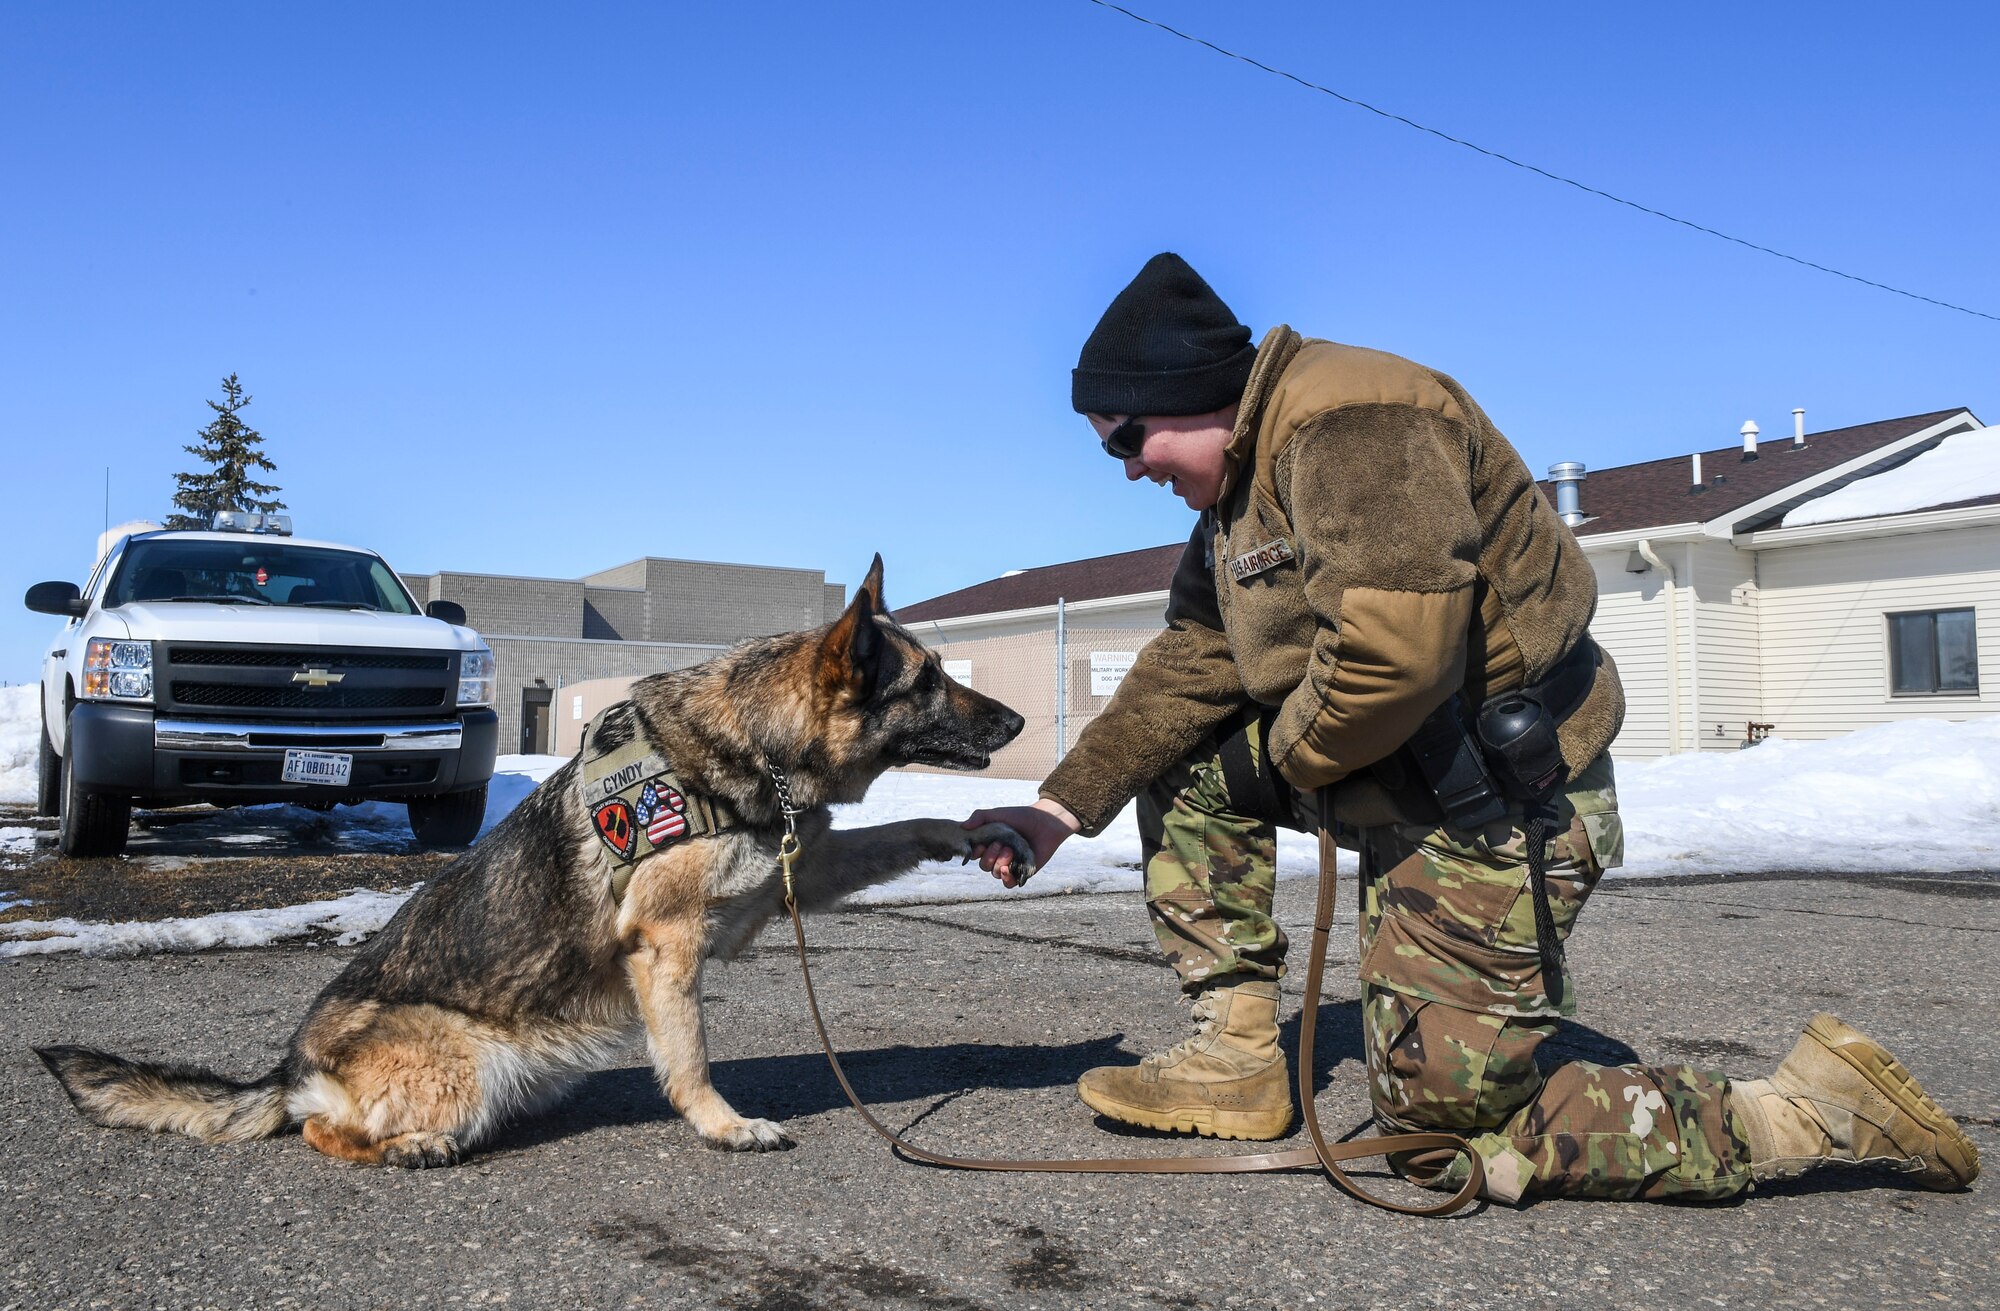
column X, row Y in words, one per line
column 1553, row 177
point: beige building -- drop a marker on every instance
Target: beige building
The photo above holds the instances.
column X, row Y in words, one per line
column 1721, row 617
column 1050, row 639
column 633, row 620
column 1725, row 623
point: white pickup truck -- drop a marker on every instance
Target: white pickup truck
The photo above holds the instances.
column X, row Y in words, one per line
column 243, row 665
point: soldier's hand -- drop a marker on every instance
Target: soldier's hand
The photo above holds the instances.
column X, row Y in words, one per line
column 1045, row 825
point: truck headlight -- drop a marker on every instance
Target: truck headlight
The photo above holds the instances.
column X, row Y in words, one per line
column 117, row 670
column 475, row 678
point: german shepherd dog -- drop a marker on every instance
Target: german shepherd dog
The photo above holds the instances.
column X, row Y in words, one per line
column 516, row 969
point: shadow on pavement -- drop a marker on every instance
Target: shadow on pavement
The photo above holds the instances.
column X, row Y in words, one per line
column 784, row 1087
column 799, row 1084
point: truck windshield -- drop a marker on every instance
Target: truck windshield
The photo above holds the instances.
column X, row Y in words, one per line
column 256, row 571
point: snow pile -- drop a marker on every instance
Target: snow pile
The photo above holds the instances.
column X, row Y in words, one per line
column 1962, row 467
column 1922, row 796
column 20, row 742
column 353, row 917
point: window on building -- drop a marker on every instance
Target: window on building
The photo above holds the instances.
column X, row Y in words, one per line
column 1933, row 652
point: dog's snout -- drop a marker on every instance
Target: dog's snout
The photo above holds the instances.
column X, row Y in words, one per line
column 1011, row 724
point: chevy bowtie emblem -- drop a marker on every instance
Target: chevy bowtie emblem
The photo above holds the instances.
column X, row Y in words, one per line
column 318, row 678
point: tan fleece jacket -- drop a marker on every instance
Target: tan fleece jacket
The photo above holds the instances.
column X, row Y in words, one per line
column 1377, row 546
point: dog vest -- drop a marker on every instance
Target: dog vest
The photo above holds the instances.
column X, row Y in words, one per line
column 637, row 805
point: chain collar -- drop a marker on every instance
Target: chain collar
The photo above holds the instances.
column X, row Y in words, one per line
column 783, row 783
column 788, row 846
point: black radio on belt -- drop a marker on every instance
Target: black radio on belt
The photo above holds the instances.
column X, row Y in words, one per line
column 1516, row 752
column 1519, row 734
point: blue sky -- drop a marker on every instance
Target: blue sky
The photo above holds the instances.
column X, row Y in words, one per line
column 539, row 289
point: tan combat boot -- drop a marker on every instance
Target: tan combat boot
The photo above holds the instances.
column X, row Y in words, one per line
column 1228, row 1081
column 1839, row 1097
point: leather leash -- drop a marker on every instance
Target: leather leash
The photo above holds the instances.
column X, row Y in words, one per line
column 1323, row 1155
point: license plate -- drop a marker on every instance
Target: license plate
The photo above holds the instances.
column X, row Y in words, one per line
column 330, row 767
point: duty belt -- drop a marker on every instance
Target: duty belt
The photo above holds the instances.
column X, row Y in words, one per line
column 637, row 804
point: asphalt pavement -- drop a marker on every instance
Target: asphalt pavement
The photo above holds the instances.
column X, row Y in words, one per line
column 966, row 1026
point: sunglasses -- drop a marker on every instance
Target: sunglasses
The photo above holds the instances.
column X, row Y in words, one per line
column 1126, row 440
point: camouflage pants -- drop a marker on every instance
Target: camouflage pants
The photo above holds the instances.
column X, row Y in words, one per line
column 1210, row 872
column 1453, row 998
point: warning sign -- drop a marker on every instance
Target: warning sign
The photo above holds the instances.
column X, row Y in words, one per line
column 1107, row 670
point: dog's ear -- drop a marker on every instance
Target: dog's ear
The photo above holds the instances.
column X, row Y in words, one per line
column 871, row 586
column 850, row 656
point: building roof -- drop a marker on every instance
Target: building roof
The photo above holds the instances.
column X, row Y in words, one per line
column 1967, row 504
column 1631, row 496
column 1659, row 492
column 1963, row 467
column 1123, row 574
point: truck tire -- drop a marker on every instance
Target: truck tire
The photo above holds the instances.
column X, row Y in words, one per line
column 451, row 820
column 93, row 824
column 48, row 779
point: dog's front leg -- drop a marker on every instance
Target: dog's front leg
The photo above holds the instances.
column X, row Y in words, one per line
column 666, row 975
column 840, row 861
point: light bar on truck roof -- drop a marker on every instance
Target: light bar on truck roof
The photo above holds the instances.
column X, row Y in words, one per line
column 252, row 521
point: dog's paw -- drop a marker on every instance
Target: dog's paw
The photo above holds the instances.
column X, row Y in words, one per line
column 422, row 1151
column 1024, row 855
column 748, row 1136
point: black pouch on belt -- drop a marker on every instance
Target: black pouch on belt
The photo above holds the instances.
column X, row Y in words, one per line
column 1455, row 769
column 1256, row 789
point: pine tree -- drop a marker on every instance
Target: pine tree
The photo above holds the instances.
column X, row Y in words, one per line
column 229, row 446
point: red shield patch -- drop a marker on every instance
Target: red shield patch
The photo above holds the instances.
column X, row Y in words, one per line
column 614, row 825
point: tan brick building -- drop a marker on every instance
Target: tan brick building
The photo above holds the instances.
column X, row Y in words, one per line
column 628, row 621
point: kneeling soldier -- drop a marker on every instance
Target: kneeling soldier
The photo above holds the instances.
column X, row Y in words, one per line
column 1377, row 605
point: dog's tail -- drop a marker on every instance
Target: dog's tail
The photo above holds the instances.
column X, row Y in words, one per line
column 113, row 1091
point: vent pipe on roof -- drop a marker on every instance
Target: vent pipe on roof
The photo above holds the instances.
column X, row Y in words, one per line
column 1694, row 479
column 1798, row 430
column 1749, row 431
column 1568, row 478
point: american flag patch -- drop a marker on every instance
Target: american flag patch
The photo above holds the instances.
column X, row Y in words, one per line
column 661, row 812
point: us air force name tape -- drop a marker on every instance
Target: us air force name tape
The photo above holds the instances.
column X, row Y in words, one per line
column 1268, row 556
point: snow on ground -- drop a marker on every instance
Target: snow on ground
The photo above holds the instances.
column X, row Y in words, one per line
column 1922, row 796
column 1919, row 796
column 353, row 917
column 1962, row 467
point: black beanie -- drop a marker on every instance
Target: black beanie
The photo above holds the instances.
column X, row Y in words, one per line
column 1167, row 345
